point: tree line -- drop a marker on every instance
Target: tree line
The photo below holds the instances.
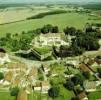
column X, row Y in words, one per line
column 82, row 41
column 41, row 15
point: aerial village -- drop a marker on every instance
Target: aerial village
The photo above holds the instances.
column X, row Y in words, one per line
column 80, row 75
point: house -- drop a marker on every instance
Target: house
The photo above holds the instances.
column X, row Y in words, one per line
column 68, row 76
column 84, row 68
column 98, row 60
column 82, row 96
column 96, row 26
column 42, row 86
column 90, row 86
column 32, row 74
column 50, row 39
column 73, row 63
column 4, row 58
column 16, row 67
column 16, row 81
column 45, row 68
column 92, row 63
column 22, row 95
column 37, row 86
column 9, row 76
column 98, row 83
column 45, row 86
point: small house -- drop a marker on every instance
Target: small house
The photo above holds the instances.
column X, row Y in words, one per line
column 82, row 96
column 90, row 86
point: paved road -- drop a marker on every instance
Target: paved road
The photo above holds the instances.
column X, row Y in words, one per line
column 31, row 63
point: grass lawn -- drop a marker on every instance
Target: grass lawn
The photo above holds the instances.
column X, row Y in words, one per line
column 94, row 96
column 58, row 68
column 65, row 94
column 62, row 20
column 6, row 96
column 37, row 96
column 43, row 50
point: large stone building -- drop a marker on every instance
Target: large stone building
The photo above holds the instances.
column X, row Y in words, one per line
column 51, row 39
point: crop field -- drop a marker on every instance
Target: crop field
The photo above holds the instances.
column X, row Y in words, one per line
column 18, row 14
column 77, row 20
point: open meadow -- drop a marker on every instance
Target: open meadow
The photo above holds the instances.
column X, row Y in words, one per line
column 77, row 20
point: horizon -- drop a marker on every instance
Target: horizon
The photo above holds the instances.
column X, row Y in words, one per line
column 46, row 1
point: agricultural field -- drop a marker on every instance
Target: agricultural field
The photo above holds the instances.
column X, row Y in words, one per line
column 11, row 14
column 20, row 24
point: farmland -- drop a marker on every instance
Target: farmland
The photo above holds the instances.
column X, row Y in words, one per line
column 20, row 24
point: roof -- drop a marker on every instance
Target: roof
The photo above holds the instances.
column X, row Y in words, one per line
column 33, row 72
column 98, row 61
column 16, row 65
column 90, row 62
column 45, row 83
column 90, row 85
column 22, row 95
column 2, row 54
column 84, row 68
column 82, row 95
column 45, row 65
column 9, row 76
column 17, row 80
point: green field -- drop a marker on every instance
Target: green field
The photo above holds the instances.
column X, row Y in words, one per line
column 65, row 94
column 6, row 96
column 77, row 20
column 43, row 50
column 95, row 96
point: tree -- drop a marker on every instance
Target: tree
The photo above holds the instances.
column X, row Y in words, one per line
column 38, row 31
column 87, row 42
column 77, row 50
column 69, row 85
column 53, row 92
column 1, row 75
column 70, row 31
column 8, row 35
column 49, row 27
column 44, row 30
column 86, row 75
column 77, row 80
column 79, row 32
column 75, row 98
column 55, row 29
column 14, row 91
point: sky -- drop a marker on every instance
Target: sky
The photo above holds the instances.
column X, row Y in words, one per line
column 25, row 1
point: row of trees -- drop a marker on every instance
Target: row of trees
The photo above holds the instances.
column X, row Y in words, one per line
column 41, row 15
column 49, row 29
column 73, row 31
